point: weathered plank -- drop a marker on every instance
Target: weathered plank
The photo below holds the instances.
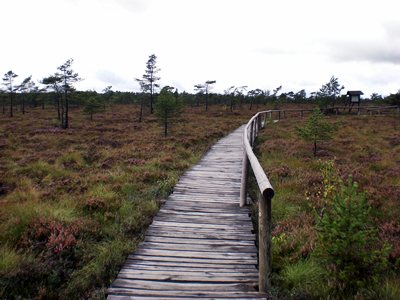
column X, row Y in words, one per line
column 191, row 294
column 201, row 243
column 137, row 261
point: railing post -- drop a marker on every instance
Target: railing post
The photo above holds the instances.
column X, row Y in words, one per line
column 251, row 134
column 243, row 187
column 253, row 131
column 265, row 120
column 264, row 241
column 259, row 123
column 279, row 115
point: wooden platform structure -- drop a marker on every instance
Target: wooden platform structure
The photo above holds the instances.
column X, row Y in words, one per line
column 200, row 244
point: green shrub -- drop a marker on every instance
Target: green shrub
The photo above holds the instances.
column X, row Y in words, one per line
column 348, row 243
column 316, row 129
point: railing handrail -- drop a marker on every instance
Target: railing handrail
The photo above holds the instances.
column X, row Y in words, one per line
column 334, row 107
column 262, row 180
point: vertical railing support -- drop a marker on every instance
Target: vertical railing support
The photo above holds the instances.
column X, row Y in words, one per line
column 265, row 120
column 245, row 172
column 264, row 241
column 253, row 133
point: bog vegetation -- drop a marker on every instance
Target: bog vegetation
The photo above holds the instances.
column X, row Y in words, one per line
column 75, row 202
column 336, row 231
column 82, row 174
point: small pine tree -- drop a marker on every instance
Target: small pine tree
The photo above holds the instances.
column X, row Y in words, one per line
column 348, row 242
column 93, row 105
column 316, row 129
column 167, row 107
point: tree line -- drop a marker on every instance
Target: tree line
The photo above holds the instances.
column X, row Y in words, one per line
column 58, row 90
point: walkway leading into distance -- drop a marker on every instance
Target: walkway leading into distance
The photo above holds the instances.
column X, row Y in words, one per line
column 200, row 244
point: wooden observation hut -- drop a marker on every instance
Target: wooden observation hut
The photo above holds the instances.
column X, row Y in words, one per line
column 354, row 97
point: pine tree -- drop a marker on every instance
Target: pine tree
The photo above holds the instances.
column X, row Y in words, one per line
column 316, row 129
column 148, row 83
column 168, row 107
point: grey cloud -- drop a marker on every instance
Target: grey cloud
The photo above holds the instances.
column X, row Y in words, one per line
column 110, row 78
column 392, row 30
column 376, row 52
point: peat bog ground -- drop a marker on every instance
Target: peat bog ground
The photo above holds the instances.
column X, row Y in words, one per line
column 365, row 148
column 75, row 202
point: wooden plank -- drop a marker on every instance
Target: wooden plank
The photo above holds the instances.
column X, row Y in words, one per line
column 184, row 293
column 218, row 242
column 181, row 264
column 125, row 297
column 187, row 214
column 184, row 278
column 204, row 259
column 198, row 247
column 215, row 269
column 196, row 254
column 199, row 235
column 236, row 233
column 190, row 273
column 202, row 220
column 238, row 226
column 199, row 207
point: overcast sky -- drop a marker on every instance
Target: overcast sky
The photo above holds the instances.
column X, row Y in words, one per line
column 259, row 43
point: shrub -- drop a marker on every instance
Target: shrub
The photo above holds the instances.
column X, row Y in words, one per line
column 316, row 129
column 167, row 107
column 348, row 243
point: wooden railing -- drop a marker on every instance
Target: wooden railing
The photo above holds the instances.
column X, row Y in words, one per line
column 265, row 189
column 359, row 110
column 265, row 195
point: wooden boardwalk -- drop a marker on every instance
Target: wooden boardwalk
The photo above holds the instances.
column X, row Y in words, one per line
column 200, row 244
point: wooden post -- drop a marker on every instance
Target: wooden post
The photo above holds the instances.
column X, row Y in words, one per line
column 265, row 120
column 284, row 114
column 301, row 113
column 243, row 187
column 264, row 241
column 259, row 123
column 252, row 134
column 254, row 130
column 279, row 115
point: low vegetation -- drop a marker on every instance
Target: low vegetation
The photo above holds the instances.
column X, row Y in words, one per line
column 336, row 230
column 74, row 203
